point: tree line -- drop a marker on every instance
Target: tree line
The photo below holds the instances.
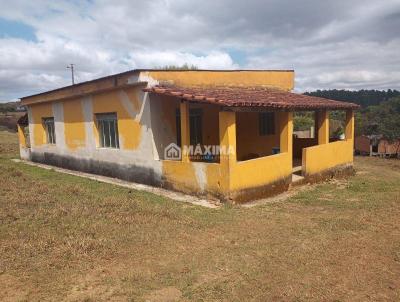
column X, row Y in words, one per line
column 379, row 113
column 362, row 97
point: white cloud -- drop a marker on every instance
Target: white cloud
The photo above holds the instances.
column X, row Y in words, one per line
column 215, row 59
column 330, row 44
column 349, row 64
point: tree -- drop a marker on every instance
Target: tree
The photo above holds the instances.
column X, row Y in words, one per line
column 362, row 97
column 383, row 119
column 185, row 66
column 303, row 121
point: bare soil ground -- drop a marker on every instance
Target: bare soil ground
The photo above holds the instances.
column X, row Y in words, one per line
column 8, row 121
column 68, row 238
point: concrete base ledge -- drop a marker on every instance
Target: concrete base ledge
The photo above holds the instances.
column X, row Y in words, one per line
column 335, row 172
column 265, row 191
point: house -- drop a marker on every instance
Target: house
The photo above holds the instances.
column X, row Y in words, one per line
column 363, row 145
column 387, row 148
column 376, row 145
column 231, row 131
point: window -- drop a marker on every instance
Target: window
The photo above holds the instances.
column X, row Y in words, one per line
column 195, row 122
column 266, row 123
column 196, row 136
column 108, row 130
column 48, row 124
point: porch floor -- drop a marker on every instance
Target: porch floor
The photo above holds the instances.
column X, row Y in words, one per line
column 296, row 171
column 296, row 178
column 296, row 165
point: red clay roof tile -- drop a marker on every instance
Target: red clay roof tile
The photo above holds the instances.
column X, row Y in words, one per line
column 250, row 97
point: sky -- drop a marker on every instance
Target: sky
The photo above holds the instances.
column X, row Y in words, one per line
column 352, row 44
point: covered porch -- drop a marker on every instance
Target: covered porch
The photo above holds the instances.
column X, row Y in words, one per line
column 255, row 125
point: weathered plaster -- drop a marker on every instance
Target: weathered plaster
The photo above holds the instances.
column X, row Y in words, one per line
column 58, row 111
column 201, row 175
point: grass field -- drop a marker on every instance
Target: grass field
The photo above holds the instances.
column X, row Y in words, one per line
column 67, row 238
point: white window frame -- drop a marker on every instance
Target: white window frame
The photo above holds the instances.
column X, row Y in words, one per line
column 49, row 127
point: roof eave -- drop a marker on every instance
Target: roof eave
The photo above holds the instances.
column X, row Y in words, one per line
column 230, row 105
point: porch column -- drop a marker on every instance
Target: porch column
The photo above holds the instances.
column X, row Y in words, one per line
column 185, row 130
column 323, row 127
column 227, row 141
column 349, row 131
column 285, row 121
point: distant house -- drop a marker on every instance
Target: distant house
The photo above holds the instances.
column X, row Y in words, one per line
column 20, row 109
column 304, row 133
column 389, row 149
column 376, row 145
column 362, row 145
column 227, row 134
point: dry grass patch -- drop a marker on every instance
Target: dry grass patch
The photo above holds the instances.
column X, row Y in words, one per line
column 68, row 238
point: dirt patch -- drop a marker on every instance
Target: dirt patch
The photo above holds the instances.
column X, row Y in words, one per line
column 12, row 289
column 280, row 197
column 93, row 287
column 167, row 294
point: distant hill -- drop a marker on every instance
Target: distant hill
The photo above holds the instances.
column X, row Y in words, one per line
column 9, row 114
column 10, row 107
column 362, row 97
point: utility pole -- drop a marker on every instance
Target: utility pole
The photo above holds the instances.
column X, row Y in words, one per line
column 71, row 66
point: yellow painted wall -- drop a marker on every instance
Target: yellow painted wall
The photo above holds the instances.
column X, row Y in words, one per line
column 214, row 175
column 128, row 128
column 349, row 127
column 227, row 136
column 248, row 139
column 322, row 157
column 234, row 176
column 279, row 79
column 74, row 124
column 326, row 155
column 323, row 127
column 21, row 137
column 261, row 171
column 40, row 111
column 182, row 176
